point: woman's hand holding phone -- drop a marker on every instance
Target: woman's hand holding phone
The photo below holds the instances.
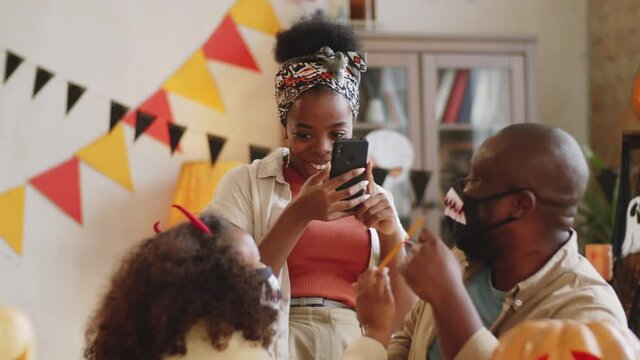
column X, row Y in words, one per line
column 378, row 211
column 318, row 198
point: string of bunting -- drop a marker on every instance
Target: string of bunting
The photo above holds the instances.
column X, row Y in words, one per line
column 153, row 117
column 419, row 180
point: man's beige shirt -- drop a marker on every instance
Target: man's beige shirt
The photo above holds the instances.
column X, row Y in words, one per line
column 566, row 287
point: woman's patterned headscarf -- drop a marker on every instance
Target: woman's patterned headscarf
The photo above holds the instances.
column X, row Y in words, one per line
column 336, row 70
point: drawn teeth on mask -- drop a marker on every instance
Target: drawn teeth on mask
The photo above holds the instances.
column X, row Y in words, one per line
column 454, row 207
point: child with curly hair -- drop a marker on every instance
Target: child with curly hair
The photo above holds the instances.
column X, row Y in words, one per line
column 195, row 291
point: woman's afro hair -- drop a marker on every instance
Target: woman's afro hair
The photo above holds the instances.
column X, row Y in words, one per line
column 306, row 36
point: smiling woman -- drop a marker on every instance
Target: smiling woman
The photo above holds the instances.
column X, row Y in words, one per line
column 303, row 225
column 315, row 121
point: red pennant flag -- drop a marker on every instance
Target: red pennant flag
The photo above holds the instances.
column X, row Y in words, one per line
column 226, row 44
column 61, row 185
column 580, row 355
column 157, row 105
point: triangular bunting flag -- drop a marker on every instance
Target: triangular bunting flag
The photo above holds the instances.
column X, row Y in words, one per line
column 74, row 92
column 42, row 78
column 175, row 134
column 196, row 186
column 11, row 217
column 194, row 82
column 257, row 152
column 379, row 175
column 108, row 155
column 419, row 180
column 256, row 14
column 577, row 355
column 227, row 45
column 215, row 146
column 143, row 120
column 61, row 185
column 157, row 105
column 11, row 64
column 116, row 113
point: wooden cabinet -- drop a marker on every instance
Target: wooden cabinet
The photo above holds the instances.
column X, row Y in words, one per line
column 446, row 94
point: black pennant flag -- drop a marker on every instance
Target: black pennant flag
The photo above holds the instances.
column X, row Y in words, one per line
column 215, row 146
column 257, row 152
column 42, row 78
column 379, row 174
column 419, row 180
column 143, row 121
column 117, row 112
column 175, row 134
column 11, row 64
column 74, row 92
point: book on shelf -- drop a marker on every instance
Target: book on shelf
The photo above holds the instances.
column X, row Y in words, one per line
column 392, row 97
column 454, row 104
column 491, row 103
column 444, row 90
column 464, row 117
column 503, row 109
column 493, row 100
column 479, row 107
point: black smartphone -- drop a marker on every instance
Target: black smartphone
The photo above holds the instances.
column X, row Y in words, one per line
column 349, row 154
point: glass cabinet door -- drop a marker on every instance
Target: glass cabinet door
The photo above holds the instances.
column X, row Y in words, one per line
column 389, row 102
column 470, row 97
column 383, row 97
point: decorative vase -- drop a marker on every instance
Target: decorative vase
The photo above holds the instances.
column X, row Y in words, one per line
column 601, row 257
column 363, row 13
column 375, row 111
column 363, row 10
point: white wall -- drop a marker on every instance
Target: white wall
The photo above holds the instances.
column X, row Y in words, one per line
column 123, row 50
column 561, row 29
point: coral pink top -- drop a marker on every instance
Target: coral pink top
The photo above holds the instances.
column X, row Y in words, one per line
column 329, row 255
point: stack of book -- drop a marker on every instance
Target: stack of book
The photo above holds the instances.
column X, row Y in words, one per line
column 479, row 97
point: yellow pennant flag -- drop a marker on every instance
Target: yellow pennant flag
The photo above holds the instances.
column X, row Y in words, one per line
column 257, row 15
column 11, row 217
column 108, row 154
column 194, row 81
column 197, row 185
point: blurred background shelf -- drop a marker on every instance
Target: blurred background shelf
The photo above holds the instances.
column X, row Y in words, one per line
column 367, row 126
column 446, row 94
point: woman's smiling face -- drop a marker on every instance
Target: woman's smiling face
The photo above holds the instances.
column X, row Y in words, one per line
column 316, row 119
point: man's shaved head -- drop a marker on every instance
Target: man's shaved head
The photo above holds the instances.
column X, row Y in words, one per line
column 541, row 158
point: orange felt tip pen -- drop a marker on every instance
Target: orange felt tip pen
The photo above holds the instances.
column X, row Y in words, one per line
column 417, row 225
